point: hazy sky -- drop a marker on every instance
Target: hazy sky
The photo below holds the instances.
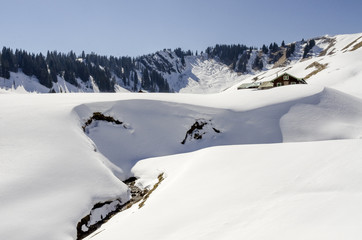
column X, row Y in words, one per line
column 136, row 27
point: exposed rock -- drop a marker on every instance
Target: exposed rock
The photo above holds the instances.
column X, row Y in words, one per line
column 144, row 199
column 357, row 46
column 98, row 116
column 350, row 44
column 319, row 67
column 332, row 43
column 197, row 130
column 102, row 212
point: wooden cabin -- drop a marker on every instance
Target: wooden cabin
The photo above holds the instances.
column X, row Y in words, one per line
column 287, row 79
column 282, row 80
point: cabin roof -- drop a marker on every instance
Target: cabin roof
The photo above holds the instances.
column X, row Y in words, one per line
column 299, row 79
column 249, row 85
column 266, row 84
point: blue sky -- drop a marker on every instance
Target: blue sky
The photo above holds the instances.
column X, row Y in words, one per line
column 137, row 27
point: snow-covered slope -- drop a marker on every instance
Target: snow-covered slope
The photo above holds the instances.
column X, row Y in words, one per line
column 21, row 83
column 315, row 114
column 51, row 175
column 200, row 74
column 272, row 191
column 333, row 61
column 279, row 164
column 336, row 62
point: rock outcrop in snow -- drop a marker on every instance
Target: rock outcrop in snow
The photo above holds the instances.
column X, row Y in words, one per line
column 199, row 129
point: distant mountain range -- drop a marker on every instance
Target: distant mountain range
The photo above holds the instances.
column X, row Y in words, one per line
column 214, row 70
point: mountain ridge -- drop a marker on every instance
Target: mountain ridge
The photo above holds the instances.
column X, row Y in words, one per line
column 214, row 70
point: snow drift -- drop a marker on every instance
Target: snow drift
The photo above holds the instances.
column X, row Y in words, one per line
column 264, row 191
column 157, row 128
column 279, row 164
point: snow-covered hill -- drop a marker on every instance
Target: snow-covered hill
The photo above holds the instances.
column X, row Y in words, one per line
column 278, row 164
column 264, row 121
column 199, row 74
column 305, row 190
column 53, row 172
column 336, row 62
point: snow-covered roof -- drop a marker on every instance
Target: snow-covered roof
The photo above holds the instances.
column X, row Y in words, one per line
column 267, row 84
column 249, row 85
column 301, row 79
column 273, row 76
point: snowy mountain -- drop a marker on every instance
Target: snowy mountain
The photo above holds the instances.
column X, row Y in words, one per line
column 333, row 62
column 282, row 163
column 164, row 71
column 215, row 70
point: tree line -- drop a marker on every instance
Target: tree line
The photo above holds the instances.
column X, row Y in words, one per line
column 72, row 68
column 141, row 73
column 237, row 56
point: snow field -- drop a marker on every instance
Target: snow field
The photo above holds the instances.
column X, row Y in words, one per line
column 156, row 128
column 50, row 175
column 342, row 72
column 285, row 165
column 229, row 191
column 307, row 190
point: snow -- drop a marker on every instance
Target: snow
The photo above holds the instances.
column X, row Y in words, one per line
column 202, row 75
column 20, row 83
column 336, row 116
column 285, row 164
column 94, row 85
column 50, row 175
column 101, row 212
column 342, row 70
column 51, row 166
column 273, row 191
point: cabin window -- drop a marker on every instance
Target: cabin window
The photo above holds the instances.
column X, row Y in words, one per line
column 279, row 84
column 285, row 77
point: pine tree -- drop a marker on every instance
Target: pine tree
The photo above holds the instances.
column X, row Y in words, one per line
column 275, row 47
column 41, row 71
column 290, row 50
column 183, row 60
column 6, row 62
column 308, row 47
column 258, row 63
column 145, row 80
column 135, row 82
